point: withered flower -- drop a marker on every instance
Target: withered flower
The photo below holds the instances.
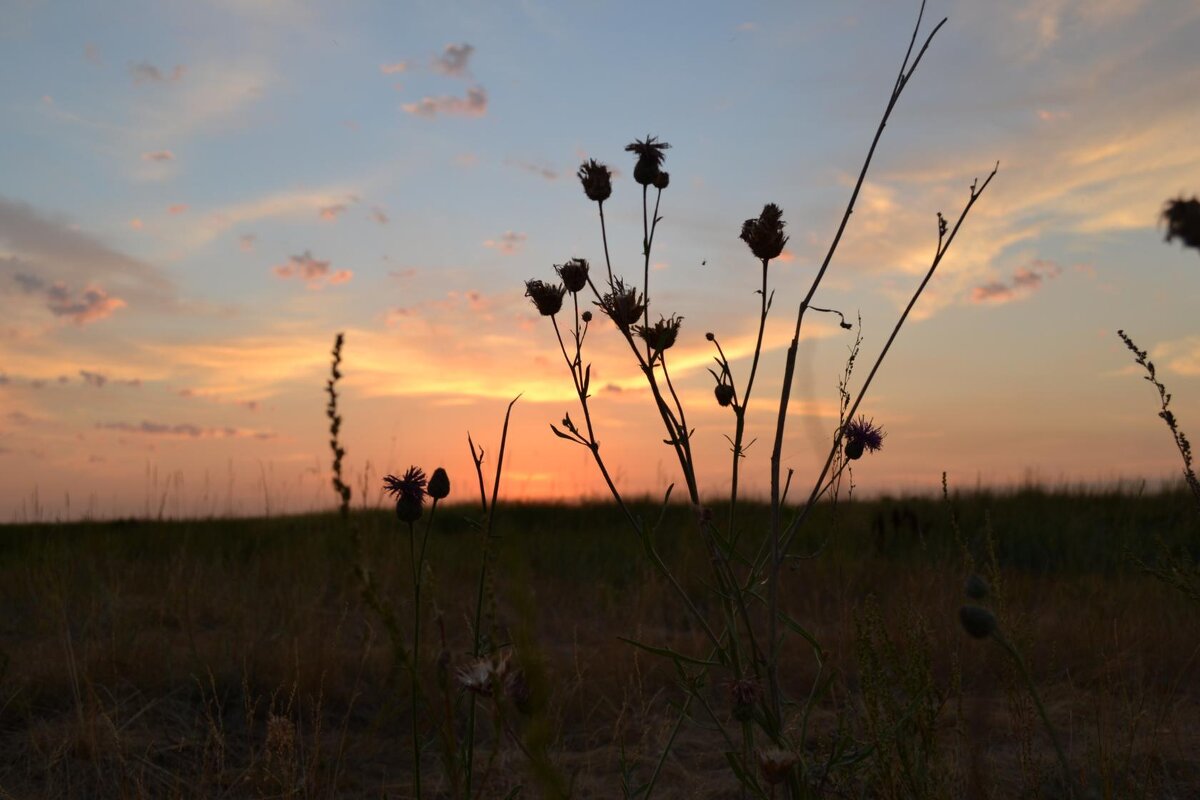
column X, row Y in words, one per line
column 650, row 157
column 547, row 297
column 1183, row 220
column 409, row 492
column 624, row 306
column 764, row 234
column 596, row 179
column 574, row 274
column 661, row 335
column 862, row 435
column 743, row 694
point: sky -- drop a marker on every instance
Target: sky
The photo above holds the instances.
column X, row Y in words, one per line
column 198, row 196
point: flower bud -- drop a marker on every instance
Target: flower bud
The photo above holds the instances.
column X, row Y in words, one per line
column 724, row 394
column 662, row 180
column 978, row 622
column 439, row 484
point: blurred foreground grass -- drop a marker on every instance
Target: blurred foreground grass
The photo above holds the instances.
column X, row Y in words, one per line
column 235, row 657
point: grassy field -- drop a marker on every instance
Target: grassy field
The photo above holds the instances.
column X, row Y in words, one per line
column 237, row 658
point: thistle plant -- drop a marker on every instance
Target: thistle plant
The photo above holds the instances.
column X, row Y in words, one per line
column 765, row 730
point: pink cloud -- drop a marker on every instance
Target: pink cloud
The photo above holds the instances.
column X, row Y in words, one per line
column 94, row 304
column 1024, row 282
column 473, row 105
column 394, row 69
column 136, row 224
column 177, row 208
column 549, row 173
column 158, row 155
column 332, row 212
column 379, row 215
column 508, row 243
column 246, row 242
column 312, row 270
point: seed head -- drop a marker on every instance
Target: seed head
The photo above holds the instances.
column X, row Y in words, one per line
column 439, row 484
column 976, row 588
column 586, row 316
column 650, row 157
column 724, row 394
column 662, row 180
column 546, row 296
column 1183, row 220
column 574, row 274
column 624, row 306
column 409, row 492
column 764, row 234
column 661, row 335
column 862, row 435
column 775, row 764
column 596, row 179
column 978, row 622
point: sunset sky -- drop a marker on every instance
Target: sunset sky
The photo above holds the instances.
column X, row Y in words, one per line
column 197, row 196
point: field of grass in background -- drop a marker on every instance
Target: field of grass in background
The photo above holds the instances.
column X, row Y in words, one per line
column 235, row 658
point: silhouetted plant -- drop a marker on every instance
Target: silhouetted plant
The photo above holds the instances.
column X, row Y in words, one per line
column 1183, row 220
column 335, row 427
column 744, row 635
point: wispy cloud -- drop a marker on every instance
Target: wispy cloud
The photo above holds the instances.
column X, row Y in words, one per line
column 158, row 156
column 177, row 208
column 182, row 429
column 508, row 242
column 379, row 215
column 473, row 105
column 94, row 379
column 246, row 242
column 453, row 60
column 395, row 68
column 549, row 173
column 144, row 72
column 331, row 212
column 312, row 270
column 1023, row 283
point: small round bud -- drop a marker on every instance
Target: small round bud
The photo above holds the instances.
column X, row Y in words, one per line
column 976, row 588
column 709, row 336
column 724, row 394
column 854, row 450
column 587, row 316
column 977, row 622
column 662, row 180
column 439, row 484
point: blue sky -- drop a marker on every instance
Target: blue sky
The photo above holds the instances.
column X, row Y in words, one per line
column 197, row 196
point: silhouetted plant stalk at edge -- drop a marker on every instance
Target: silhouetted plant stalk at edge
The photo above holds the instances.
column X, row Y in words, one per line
column 335, row 426
column 736, row 647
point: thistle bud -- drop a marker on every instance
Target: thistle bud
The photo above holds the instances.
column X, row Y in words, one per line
column 596, row 180
column 439, row 484
column 547, row 297
column 977, row 622
column 586, row 316
column 574, row 274
column 765, row 235
column 408, row 509
column 724, row 394
column 862, row 435
column 662, row 180
column 775, row 765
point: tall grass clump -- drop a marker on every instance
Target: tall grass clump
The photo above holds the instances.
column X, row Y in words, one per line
column 739, row 614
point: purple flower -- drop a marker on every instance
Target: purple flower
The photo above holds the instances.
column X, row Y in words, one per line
column 862, row 435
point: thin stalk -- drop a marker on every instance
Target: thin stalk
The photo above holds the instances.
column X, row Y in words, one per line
column 1068, row 782
column 414, row 665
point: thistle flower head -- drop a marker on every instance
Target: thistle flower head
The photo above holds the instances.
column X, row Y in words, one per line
column 650, row 157
column 623, row 305
column 439, row 485
column 409, row 492
column 862, row 435
column 764, row 234
column 596, row 179
column 977, row 622
column 483, row 675
column 775, row 764
column 547, row 297
column 661, row 335
column 743, row 694
column 574, row 274
column 1183, row 220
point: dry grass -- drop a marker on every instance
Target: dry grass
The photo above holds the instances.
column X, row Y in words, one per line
column 236, row 658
